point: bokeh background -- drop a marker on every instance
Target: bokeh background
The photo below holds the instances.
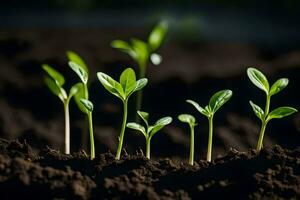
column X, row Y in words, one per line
column 209, row 46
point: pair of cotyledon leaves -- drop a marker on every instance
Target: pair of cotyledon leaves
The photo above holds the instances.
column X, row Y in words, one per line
column 149, row 130
column 126, row 86
column 215, row 103
column 260, row 80
column 140, row 50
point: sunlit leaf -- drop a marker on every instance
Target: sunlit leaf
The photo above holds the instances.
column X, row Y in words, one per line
column 161, row 123
column 128, row 81
column 123, row 46
column 72, row 56
column 186, row 118
column 140, row 84
column 279, row 85
column 198, row 107
column 258, row 79
column 257, row 110
column 219, row 99
column 111, row 85
column 87, row 104
column 55, row 75
column 55, row 89
column 80, row 71
column 137, row 127
column 144, row 116
column 157, row 35
column 281, row 112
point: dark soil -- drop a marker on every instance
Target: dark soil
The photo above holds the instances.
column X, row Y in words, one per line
column 273, row 174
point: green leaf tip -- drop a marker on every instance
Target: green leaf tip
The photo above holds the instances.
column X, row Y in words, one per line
column 187, row 118
column 74, row 57
column 219, row 99
column 279, row 85
column 54, row 74
column 257, row 111
column 80, row 71
column 281, row 112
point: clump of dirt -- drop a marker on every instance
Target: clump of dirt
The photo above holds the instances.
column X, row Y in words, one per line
column 272, row 174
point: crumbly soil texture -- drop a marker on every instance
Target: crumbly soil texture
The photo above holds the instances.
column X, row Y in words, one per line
column 271, row 174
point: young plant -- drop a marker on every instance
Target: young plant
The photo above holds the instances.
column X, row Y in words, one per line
column 141, row 52
column 123, row 90
column 90, row 107
column 55, row 82
column 149, row 131
column 215, row 102
column 186, row 118
column 77, row 64
column 260, row 81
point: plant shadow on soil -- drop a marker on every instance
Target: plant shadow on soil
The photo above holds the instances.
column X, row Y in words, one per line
column 272, row 174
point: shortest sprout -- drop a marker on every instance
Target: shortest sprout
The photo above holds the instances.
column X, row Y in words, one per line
column 149, row 131
column 90, row 107
column 186, row 118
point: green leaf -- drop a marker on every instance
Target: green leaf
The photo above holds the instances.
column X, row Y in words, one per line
column 55, row 75
column 141, row 50
column 80, row 71
column 55, row 89
column 80, row 95
column 219, row 99
column 257, row 110
column 140, row 84
column 128, row 81
column 137, row 127
column 74, row 89
column 279, row 85
column 198, row 107
column 186, row 118
column 72, row 56
column 161, row 123
column 87, row 104
column 155, row 58
column 281, row 112
column 258, row 79
column 111, row 85
column 157, row 35
column 144, row 116
column 123, row 46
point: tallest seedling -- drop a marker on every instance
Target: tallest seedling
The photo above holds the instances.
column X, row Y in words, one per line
column 141, row 52
column 123, row 90
column 260, row 81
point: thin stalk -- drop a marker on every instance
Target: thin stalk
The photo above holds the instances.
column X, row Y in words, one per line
column 67, row 127
column 121, row 137
column 92, row 144
column 148, row 147
column 261, row 137
column 264, row 124
column 84, row 142
column 191, row 159
column 210, row 138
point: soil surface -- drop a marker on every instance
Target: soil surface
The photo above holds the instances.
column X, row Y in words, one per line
column 48, row 174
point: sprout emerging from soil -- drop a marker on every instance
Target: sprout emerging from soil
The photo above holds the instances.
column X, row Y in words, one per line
column 90, row 107
column 149, row 130
column 77, row 64
column 215, row 102
column 186, row 118
column 55, row 82
column 141, row 52
column 123, row 90
column 260, row 81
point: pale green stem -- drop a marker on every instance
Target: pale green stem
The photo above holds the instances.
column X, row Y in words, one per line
column 92, row 144
column 264, row 124
column 85, row 128
column 148, row 141
column 67, row 127
column 121, row 137
column 191, row 160
column 210, row 138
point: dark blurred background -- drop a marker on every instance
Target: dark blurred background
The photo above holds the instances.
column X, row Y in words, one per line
column 209, row 46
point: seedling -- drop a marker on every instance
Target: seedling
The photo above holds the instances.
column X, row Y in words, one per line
column 90, row 107
column 149, row 131
column 260, row 81
column 186, row 118
column 215, row 102
column 77, row 64
column 141, row 52
column 123, row 90
column 55, row 82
